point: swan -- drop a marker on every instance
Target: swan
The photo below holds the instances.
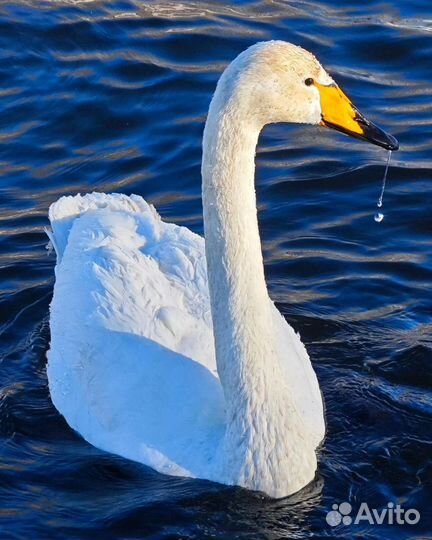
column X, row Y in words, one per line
column 165, row 347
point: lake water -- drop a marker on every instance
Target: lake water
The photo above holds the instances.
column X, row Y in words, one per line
column 112, row 96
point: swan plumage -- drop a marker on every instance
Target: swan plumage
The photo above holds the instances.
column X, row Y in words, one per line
column 140, row 345
column 148, row 361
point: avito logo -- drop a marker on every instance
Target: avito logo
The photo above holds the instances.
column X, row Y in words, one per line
column 390, row 515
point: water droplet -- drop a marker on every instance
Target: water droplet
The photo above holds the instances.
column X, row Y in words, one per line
column 379, row 216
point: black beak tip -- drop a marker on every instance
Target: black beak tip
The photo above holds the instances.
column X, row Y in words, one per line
column 387, row 141
column 371, row 133
column 394, row 144
column 376, row 135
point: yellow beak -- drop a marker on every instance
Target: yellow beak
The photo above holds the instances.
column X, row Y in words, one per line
column 339, row 113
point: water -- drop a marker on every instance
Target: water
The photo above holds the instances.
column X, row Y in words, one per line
column 107, row 96
column 379, row 216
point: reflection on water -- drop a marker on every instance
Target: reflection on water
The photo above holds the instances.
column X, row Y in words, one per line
column 112, row 96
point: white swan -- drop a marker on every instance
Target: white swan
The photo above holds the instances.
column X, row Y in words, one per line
column 149, row 360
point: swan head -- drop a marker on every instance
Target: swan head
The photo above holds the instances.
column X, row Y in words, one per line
column 279, row 82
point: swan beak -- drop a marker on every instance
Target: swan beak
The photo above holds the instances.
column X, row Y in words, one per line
column 337, row 112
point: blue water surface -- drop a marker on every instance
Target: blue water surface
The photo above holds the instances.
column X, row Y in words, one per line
column 112, row 96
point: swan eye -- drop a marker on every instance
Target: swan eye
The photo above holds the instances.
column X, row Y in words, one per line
column 309, row 81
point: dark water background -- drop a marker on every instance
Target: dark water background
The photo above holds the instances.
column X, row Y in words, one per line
column 112, row 96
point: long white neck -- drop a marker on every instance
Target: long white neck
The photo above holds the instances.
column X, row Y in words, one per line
column 261, row 443
column 240, row 304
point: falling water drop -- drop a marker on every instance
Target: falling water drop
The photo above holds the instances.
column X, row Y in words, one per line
column 379, row 216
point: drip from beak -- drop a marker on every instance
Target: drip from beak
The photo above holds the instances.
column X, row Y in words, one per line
column 339, row 113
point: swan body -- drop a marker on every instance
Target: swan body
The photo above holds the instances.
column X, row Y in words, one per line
column 167, row 349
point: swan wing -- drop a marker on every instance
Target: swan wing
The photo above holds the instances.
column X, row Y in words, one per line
column 132, row 363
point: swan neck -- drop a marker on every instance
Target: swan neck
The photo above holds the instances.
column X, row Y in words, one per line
column 241, row 309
